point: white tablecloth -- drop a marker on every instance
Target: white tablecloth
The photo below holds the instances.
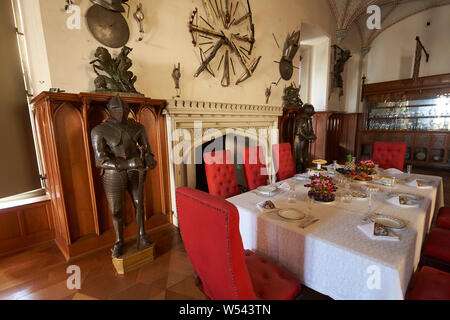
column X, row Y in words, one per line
column 333, row 256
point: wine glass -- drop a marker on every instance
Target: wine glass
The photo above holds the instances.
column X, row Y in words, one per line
column 409, row 170
column 310, row 200
column 292, row 197
column 371, row 190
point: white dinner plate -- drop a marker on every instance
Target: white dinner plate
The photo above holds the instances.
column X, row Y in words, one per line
column 291, row 214
column 301, row 177
column 389, row 222
column 266, row 189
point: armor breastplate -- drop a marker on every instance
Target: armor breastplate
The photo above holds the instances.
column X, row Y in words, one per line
column 121, row 140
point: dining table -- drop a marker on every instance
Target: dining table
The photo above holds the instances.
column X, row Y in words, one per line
column 333, row 256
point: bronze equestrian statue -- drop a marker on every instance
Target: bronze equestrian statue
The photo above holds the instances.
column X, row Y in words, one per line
column 304, row 135
column 123, row 153
column 118, row 78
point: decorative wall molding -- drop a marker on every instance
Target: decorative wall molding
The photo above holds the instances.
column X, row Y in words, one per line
column 177, row 107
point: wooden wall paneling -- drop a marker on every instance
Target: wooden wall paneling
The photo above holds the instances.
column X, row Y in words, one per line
column 318, row 149
column 351, row 125
column 153, row 187
column 53, row 180
column 70, row 142
column 334, row 132
column 409, row 89
column 95, row 115
column 87, row 144
column 286, row 125
column 158, row 209
column 36, row 219
column 166, row 170
column 10, row 226
column 25, row 226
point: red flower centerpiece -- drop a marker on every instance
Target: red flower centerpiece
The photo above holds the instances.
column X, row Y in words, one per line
column 366, row 166
column 322, row 189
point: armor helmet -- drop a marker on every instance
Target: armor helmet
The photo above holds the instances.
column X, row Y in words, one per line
column 113, row 5
column 309, row 109
column 118, row 109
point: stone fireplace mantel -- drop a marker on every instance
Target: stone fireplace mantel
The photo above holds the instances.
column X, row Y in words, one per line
column 197, row 122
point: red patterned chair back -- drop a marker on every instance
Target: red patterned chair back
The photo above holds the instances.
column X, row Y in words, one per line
column 209, row 227
column 254, row 167
column 284, row 162
column 389, row 154
column 220, row 174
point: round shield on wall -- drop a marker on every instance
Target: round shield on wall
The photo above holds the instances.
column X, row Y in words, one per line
column 108, row 27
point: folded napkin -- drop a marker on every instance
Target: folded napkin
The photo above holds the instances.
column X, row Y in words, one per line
column 368, row 230
column 396, row 202
column 286, row 186
column 420, row 183
column 261, row 208
column 392, row 171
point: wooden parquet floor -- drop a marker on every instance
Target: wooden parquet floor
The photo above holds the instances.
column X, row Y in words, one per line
column 40, row 274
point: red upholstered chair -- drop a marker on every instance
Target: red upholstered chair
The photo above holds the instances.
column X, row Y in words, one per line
column 444, row 218
column 389, row 154
column 284, row 162
column 209, row 227
column 220, row 174
column 431, row 284
column 436, row 251
column 254, row 167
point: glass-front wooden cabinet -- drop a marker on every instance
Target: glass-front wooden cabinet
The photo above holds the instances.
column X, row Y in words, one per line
column 413, row 115
column 414, row 112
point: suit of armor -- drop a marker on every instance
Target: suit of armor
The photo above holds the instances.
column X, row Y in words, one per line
column 304, row 135
column 124, row 154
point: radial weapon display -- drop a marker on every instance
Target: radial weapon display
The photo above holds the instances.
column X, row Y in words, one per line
column 226, row 31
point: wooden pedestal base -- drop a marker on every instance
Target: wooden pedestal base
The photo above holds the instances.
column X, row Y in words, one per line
column 133, row 259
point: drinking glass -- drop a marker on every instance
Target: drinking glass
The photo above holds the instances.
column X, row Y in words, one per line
column 346, row 197
column 335, row 165
column 392, row 182
column 409, row 169
column 348, row 181
column 292, row 197
column 310, row 204
column 369, row 204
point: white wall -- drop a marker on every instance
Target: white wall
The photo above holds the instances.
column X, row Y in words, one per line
column 168, row 42
column 320, row 73
column 392, row 53
column 349, row 102
column 305, row 81
column 37, row 51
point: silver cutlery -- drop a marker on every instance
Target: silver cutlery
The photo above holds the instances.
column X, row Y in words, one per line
column 309, row 223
